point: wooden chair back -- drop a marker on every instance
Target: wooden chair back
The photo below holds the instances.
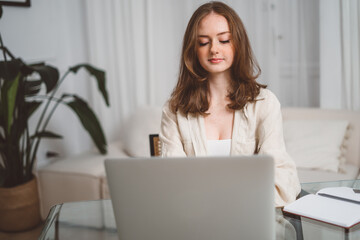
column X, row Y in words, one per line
column 155, row 145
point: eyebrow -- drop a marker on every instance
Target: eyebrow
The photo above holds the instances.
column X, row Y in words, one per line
column 216, row 34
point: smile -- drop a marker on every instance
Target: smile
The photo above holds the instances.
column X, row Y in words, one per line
column 216, row 60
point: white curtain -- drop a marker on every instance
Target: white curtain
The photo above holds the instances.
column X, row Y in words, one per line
column 297, row 36
column 340, row 54
column 138, row 43
column 350, row 47
column 330, row 55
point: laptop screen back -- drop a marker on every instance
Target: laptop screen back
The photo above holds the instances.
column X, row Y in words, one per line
column 193, row 198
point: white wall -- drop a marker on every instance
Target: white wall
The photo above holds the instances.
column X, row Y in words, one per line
column 52, row 31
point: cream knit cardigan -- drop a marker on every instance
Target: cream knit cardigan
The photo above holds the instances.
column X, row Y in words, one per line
column 257, row 129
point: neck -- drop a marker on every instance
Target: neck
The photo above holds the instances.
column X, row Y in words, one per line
column 218, row 88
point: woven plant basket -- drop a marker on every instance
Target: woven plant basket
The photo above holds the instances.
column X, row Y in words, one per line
column 19, row 207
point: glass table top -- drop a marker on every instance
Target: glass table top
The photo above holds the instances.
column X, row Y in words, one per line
column 95, row 220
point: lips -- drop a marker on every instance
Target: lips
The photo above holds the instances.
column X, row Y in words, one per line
column 216, row 60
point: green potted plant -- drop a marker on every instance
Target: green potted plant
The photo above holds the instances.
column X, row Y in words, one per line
column 24, row 90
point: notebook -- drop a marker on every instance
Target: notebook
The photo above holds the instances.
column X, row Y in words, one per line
column 206, row 198
column 339, row 206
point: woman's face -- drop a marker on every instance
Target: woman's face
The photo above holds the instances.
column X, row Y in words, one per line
column 215, row 50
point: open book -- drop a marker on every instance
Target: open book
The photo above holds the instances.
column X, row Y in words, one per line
column 339, row 206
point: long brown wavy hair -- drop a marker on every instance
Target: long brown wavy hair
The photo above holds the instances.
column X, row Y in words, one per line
column 191, row 92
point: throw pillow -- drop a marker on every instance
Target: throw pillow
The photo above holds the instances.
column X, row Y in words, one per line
column 316, row 144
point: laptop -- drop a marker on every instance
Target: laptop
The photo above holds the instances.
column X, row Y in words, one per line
column 203, row 198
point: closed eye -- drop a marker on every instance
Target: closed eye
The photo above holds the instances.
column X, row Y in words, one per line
column 227, row 41
column 203, row 44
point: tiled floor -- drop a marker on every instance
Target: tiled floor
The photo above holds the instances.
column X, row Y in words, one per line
column 28, row 235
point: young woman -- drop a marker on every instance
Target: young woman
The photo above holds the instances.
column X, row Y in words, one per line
column 217, row 107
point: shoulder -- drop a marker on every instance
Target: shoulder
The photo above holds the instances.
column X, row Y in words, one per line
column 266, row 104
column 167, row 112
column 266, row 95
column 166, row 107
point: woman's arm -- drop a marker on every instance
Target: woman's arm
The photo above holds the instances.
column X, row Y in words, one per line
column 271, row 142
column 169, row 135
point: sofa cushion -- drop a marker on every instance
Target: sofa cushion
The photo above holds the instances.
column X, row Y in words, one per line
column 316, row 144
column 352, row 153
column 308, row 175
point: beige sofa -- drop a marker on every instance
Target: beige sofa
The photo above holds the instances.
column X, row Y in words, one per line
column 82, row 177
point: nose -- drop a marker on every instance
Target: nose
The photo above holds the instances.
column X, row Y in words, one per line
column 214, row 48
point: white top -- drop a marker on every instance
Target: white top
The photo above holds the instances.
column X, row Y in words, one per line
column 219, row 147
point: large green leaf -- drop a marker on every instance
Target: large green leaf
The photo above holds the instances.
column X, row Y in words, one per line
column 99, row 76
column 4, row 105
column 11, row 100
column 31, row 107
column 89, row 121
column 32, row 87
column 10, row 69
column 49, row 75
column 2, row 111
